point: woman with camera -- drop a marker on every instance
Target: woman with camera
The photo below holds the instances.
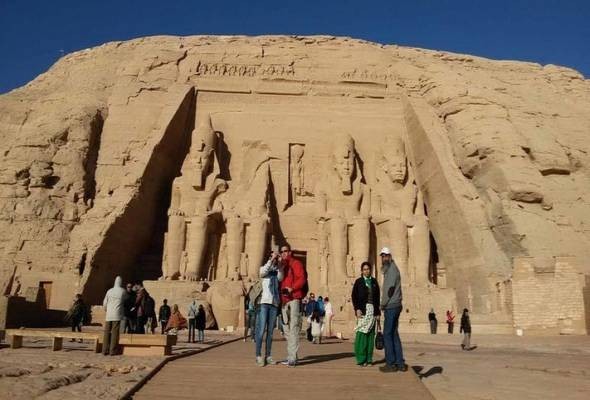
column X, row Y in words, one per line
column 271, row 274
column 365, row 299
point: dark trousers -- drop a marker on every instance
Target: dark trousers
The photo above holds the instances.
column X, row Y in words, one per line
column 433, row 325
column 280, row 323
column 250, row 328
column 393, row 345
column 450, row 327
column 140, row 325
column 129, row 325
column 163, row 325
column 110, row 340
column 76, row 326
column 192, row 326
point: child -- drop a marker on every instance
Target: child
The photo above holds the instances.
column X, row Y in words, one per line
column 316, row 327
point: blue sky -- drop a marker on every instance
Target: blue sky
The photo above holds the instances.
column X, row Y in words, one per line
column 34, row 34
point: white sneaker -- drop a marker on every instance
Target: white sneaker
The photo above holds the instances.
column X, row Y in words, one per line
column 289, row 363
column 270, row 361
column 260, row 361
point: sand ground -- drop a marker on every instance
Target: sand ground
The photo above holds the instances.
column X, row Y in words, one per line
column 76, row 372
column 502, row 367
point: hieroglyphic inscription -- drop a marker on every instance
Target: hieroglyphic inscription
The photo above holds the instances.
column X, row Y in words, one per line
column 367, row 74
column 244, row 70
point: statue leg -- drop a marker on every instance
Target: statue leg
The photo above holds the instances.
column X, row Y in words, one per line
column 235, row 245
column 398, row 234
column 174, row 246
column 338, row 249
column 196, row 248
column 360, row 242
column 256, row 245
column 420, row 250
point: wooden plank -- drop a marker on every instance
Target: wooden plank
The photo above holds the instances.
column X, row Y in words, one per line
column 16, row 341
column 229, row 372
column 56, row 343
column 96, row 345
column 133, row 344
column 144, row 350
column 147, row 340
column 51, row 334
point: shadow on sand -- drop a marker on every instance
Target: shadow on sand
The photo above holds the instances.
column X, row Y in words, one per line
column 320, row 358
column 432, row 371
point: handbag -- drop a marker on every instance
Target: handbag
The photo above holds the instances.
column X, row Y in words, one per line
column 379, row 342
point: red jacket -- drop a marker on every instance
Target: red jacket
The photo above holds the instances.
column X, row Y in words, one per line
column 294, row 278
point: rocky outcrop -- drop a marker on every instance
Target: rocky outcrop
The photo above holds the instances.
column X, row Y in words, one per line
column 90, row 151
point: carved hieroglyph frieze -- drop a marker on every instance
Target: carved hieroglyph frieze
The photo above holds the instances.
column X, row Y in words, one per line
column 244, row 70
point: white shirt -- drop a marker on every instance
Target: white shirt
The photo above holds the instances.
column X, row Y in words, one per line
column 270, row 283
column 328, row 308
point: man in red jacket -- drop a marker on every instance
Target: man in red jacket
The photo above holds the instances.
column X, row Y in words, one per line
column 292, row 291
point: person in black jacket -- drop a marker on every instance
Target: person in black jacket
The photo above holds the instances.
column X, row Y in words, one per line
column 77, row 314
column 130, row 321
column 164, row 315
column 466, row 330
column 200, row 322
column 433, row 321
column 365, row 299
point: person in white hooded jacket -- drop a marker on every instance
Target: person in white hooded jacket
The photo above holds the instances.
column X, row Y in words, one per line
column 271, row 274
column 113, row 303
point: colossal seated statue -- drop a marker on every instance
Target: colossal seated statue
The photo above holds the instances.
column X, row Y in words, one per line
column 192, row 204
column 246, row 211
column 343, row 203
column 398, row 205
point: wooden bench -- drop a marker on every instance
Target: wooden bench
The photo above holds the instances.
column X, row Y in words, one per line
column 133, row 345
column 147, row 345
column 57, row 337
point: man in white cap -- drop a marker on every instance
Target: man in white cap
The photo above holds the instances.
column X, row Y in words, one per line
column 391, row 304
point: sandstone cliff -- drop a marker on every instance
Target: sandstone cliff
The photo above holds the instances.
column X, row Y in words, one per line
column 89, row 150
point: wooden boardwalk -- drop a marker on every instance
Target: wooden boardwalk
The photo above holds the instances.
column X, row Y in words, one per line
column 325, row 371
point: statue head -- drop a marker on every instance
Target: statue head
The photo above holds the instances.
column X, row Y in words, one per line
column 202, row 152
column 393, row 161
column 344, row 162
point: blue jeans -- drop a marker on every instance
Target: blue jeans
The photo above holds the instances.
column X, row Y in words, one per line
column 200, row 335
column 265, row 321
column 393, row 345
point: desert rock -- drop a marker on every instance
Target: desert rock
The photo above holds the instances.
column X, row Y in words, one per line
column 186, row 157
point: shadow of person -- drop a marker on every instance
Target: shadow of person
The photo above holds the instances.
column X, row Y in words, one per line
column 432, row 371
column 320, row 358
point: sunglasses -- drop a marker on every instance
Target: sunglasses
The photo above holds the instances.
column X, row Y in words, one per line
column 284, row 251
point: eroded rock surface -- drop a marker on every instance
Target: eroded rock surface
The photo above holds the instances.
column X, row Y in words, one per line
column 186, row 157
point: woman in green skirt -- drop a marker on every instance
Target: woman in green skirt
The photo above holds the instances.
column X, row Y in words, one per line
column 365, row 299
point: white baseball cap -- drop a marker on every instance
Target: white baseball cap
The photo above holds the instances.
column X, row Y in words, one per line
column 385, row 250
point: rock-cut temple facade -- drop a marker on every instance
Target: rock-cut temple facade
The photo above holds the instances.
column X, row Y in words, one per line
column 182, row 162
